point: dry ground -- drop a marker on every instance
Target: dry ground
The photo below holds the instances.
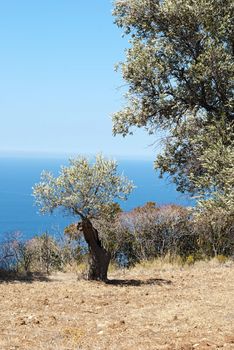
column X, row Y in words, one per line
column 149, row 307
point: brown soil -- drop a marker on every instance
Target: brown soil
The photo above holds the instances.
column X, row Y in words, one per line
column 151, row 307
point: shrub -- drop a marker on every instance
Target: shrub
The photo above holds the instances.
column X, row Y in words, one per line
column 190, row 260
column 221, row 259
column 215, row 228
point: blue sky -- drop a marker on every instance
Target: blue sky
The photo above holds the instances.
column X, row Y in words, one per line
column 58, row 87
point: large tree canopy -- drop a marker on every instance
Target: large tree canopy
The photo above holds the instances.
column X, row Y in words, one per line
column 180, row 75
column 87, row 190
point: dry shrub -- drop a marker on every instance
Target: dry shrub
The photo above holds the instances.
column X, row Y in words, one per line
column 221, row 259
column 148, row 232
column 215, row 229
column 171, row 231
column 42, row 254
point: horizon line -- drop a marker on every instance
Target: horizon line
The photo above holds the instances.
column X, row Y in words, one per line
column 70, row 154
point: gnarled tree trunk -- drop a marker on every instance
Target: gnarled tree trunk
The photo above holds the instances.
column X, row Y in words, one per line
column 99, row 258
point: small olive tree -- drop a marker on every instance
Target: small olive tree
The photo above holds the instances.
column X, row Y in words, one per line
column 86, row 190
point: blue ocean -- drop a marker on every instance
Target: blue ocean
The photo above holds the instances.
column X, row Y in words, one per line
column 19, row 213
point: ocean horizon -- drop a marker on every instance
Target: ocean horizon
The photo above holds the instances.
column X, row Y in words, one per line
column 20, row 173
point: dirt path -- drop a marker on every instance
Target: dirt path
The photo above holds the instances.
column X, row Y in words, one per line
column 153, row 308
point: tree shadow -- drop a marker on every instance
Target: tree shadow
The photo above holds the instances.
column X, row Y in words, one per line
column 138, row 283
column 9, row 277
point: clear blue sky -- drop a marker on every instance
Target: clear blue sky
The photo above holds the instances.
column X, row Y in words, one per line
column 58, row 87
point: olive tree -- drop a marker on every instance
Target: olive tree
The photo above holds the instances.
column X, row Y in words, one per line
column 86, row 190
column 217, row 183
column 179, row 70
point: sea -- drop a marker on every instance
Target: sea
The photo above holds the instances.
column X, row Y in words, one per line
column 18, row 212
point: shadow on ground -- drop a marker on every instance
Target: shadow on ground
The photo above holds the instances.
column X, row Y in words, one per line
column 137, row 282
column 7, row 277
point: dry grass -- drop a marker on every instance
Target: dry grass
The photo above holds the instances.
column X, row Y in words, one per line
column 153, row 306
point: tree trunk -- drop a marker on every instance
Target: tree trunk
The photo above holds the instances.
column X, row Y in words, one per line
column 99, row 258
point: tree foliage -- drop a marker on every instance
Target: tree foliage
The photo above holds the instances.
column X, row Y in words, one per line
column 216, row 184
column 83, row 189
column 180, row 75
